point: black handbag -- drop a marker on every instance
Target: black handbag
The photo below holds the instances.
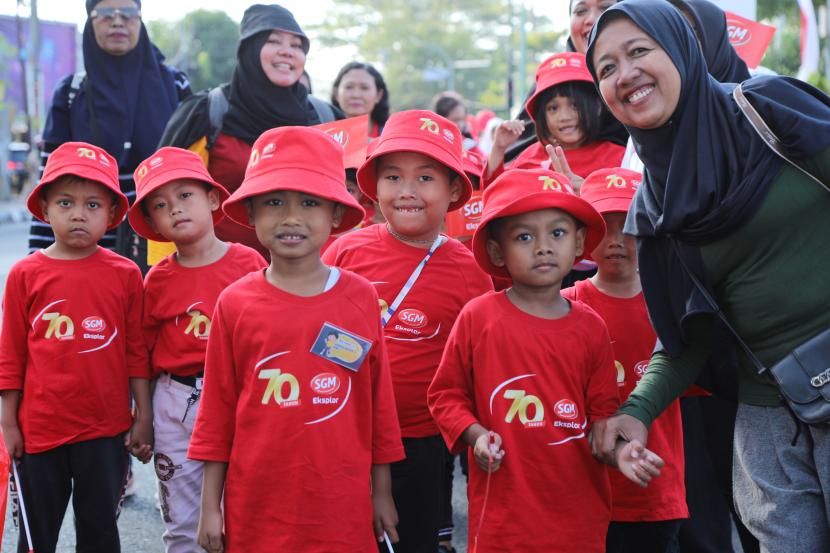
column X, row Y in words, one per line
column 803, row 376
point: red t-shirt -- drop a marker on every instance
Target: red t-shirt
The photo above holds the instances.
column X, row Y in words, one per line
column 583, row 161
column 298, row 431
column 634, row 338
column 178, row 304
column 71, row 340
column 416, row 334
column 539, row 384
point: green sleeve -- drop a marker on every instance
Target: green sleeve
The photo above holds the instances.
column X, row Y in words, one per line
column 667, row 378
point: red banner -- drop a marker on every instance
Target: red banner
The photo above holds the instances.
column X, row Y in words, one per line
column 462, row 223
column 353, row 135
column 749, row 38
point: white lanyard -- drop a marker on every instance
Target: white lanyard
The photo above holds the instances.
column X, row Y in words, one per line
column 413, row 278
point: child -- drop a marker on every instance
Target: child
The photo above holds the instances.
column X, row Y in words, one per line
column 416, row 175
column 643, row 520
column 297, row 408
column 71, row 351
column 525, row 373
column 566, row 111
column 177, row 201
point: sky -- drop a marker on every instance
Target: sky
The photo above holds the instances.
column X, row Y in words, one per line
column 322, row 64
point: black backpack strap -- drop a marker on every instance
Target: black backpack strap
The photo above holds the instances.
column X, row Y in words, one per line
column 75, row 86
column 217, row 108
column 324, row 110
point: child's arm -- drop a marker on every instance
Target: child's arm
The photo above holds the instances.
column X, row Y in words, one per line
column 139, row 439
column 386, row 516
column 486, row 446
column 211, row 525
column 637, row 463
column 8, row 421
column 506, row 134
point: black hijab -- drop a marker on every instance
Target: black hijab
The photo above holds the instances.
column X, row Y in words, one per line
column 706, row 171
column 724, row 63
column 128, row 99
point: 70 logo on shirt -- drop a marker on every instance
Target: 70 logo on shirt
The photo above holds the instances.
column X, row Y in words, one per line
column 521, row 406
column 60, row 326
column 283, row 387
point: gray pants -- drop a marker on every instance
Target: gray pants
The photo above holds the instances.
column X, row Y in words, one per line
column 782, row 492
column 179, row 478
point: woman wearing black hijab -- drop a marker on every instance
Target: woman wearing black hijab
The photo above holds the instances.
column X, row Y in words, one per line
column 718, row 204
column 121, row 103
column 264, row 93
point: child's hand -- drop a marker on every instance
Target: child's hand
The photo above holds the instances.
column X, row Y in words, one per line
column 139, row 439
column 210, row 531
column 14, row 441
column 484, row 449
column 385, row 516
column 560, row 165
column 637, row 463
column 507, row 133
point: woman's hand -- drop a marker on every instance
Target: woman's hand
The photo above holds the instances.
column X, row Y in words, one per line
column 606, row 432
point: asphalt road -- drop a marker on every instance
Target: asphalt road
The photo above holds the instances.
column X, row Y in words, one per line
column 140, row 523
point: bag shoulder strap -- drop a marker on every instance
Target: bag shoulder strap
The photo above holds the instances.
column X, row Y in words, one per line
column 721, row 315
column 217, row 108
column 387, row 315
column 75, row 87
column 766, row 134
column 324, row 111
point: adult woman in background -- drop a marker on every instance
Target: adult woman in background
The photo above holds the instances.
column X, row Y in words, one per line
column 223, row 123
column 718, row 204
column 359, row 89
column 121, row 103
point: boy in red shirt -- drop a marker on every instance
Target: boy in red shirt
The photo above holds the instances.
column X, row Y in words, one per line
column 415, row 174
column 71, row 351
column 525, row 373
column 178, row 201
column 297, row 411
column 643, row 520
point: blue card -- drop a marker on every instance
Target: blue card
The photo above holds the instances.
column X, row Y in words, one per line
column 341, row 347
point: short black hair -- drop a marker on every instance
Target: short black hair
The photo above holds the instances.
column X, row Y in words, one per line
column 446, row 102
column 380, row 113
column 587, row 103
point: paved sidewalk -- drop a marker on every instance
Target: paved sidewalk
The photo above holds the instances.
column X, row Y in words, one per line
column 13, row 211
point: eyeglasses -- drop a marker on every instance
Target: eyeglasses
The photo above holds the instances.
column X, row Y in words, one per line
column 109, row 14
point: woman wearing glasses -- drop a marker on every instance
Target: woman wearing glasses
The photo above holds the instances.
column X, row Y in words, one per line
column 121, row 103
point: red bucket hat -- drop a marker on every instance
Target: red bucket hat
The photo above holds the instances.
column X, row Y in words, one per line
column 473, row 163
column 558, row 69
column 423, row 132
column 611, row 190
column 303, row 159
column 87, row 162
column 164, row 166
column 520, row 191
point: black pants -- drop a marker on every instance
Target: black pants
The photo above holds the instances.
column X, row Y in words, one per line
column 446, row 527
column 643, row 537
column 91, row 473
column 416, row 488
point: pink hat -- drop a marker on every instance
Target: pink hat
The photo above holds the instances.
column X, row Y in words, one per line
column 87, row 162
column 558, row 69
column 163, row 167
column 611, row 190
column 303, row 159
column 520, row 191
column 419, row 131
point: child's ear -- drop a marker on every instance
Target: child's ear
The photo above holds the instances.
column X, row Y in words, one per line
column 113, row 207
column 44, row 208
column 495, row 253
column 456, row 187
column 249, row 206
column 337, row 217
column 580, row 240
column 213, row 199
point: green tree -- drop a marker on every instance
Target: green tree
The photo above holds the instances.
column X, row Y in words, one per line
column 202, row 44
column 469, row 48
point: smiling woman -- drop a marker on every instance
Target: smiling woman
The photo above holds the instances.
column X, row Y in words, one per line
column 712, row 191
column 264, row 93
